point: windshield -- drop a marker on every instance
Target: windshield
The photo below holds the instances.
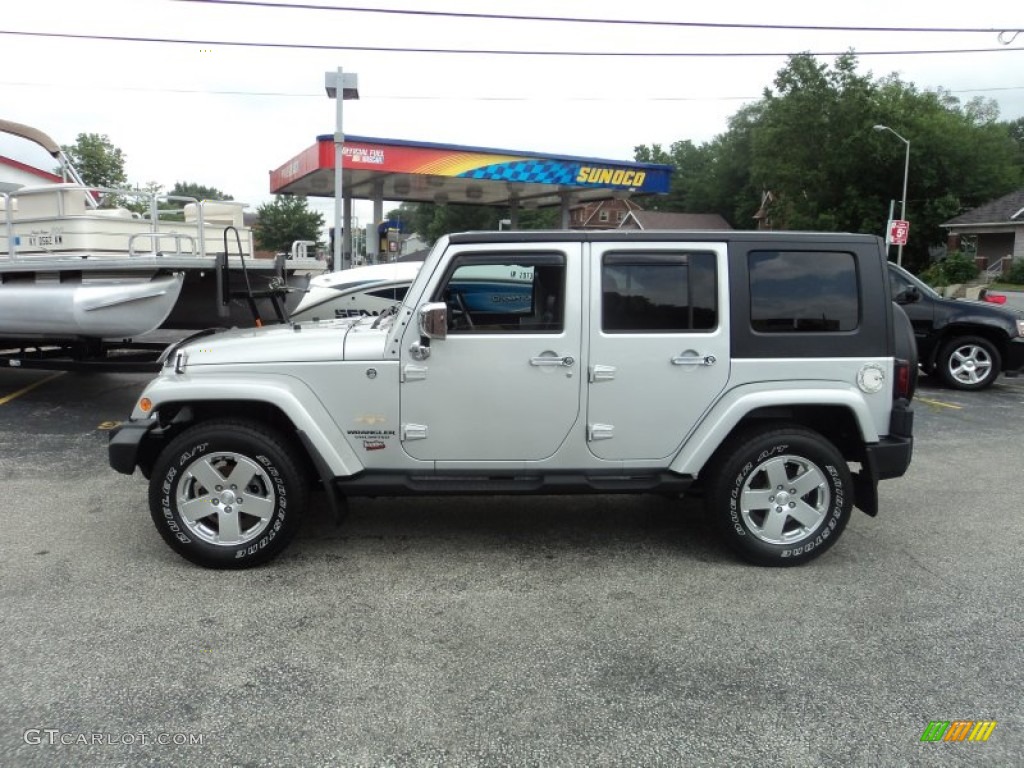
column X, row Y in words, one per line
column 412, row 295
column 899, row 274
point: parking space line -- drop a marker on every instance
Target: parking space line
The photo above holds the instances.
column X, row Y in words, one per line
column 941, row 404
column 25, row 390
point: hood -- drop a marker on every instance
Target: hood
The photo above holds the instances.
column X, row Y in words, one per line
column 995, row 310
column 334, row 340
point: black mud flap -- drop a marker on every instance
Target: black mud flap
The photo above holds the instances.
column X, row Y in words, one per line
column 865, row 492
column 338, row 502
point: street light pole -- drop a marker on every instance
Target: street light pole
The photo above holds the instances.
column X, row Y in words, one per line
column 340, row 86
column 906, row 174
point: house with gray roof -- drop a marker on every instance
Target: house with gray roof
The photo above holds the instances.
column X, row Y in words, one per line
column 997, row 227
column 667, row 220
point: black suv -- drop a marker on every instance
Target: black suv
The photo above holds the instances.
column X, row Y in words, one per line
column 965, row 343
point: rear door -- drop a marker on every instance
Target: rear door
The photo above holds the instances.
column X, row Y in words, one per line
column 659, row 345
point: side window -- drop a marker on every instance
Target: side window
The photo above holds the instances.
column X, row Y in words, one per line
column 505, row 293
column 803, row 291
column 395, row 293
column 658, row 292
column 899, row 286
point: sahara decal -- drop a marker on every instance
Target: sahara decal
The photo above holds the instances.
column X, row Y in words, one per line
column 373, row 439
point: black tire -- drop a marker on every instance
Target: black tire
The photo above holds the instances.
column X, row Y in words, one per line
column 969, row 363
column 232, row 535
column 745, row 505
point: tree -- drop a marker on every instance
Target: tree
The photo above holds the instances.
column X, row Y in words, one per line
column 809, row 142
column 1016, row 130
column 189, row 189
column 198, row 191
column 99, row 162
column 286, row 220
column 140, row 203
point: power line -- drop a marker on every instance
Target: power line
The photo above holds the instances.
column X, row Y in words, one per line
column 420, row 97
column 585, row 20
column 494, row 52
column 378, row 97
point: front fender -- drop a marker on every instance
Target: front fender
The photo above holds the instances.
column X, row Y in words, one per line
column 124, row 444
column 736, row 404
column 288, row 394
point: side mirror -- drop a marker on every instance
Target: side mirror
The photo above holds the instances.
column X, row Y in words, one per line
column 908, row 295
column 434, row 320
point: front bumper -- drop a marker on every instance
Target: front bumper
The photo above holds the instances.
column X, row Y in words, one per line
column 126, row 444
column 1013, row 356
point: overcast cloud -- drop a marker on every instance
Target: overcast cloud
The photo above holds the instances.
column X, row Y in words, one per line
column 225, row 116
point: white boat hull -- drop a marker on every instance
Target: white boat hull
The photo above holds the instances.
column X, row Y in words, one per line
column 76, row 265
column 356, row 292
column 100, row 309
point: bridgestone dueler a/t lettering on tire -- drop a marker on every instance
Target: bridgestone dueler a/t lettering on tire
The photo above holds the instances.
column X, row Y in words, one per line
column 226, row 494
column 781, row 497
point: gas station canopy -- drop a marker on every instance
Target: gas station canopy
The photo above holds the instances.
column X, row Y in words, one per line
column 390, row 169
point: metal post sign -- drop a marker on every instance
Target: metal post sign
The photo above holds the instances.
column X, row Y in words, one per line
column 899, row 230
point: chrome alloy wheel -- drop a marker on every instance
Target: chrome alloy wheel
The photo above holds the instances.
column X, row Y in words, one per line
column 785, row 499
column 970, row 364
column 225, row 499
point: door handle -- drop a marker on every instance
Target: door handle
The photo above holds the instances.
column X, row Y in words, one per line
column 566, row 362
column 694, row 360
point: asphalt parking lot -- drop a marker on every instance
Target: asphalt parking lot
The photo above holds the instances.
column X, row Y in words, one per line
column 505, row 631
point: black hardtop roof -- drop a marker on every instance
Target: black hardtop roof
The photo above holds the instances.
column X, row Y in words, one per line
column 660, row 236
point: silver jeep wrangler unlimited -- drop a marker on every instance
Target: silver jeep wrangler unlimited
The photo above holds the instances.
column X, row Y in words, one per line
column 770, row 370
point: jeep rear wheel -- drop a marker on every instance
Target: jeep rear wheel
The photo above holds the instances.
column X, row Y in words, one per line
column 969, row 363
column 226, row 494
column 780, row 497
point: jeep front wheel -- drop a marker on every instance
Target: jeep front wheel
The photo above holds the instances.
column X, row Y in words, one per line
column 969, row 362
column 227, row 494
column 780, row 497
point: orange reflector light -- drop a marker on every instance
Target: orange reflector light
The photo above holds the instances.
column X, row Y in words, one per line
column 145, row 405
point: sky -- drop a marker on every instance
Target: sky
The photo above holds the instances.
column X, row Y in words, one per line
column 204, row 111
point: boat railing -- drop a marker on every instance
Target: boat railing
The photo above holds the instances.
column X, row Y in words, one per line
column 156, row 243
column 69, row 219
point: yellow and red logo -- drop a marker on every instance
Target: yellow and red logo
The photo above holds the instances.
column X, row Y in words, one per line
column 616, row 177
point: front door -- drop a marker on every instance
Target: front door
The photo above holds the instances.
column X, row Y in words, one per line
column 659, row 345
column 505, row 383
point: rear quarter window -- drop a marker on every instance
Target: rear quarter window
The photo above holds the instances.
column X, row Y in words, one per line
column 803, row 291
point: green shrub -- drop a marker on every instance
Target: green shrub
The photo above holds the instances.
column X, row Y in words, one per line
column 1015, row 274
column 934, row 276
column 958, row 268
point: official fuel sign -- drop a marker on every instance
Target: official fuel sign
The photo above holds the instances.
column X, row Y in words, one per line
column 899, row 230
column 473, row 163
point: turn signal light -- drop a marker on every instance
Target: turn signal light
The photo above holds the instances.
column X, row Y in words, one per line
column 901, row 380
column 145, row 405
